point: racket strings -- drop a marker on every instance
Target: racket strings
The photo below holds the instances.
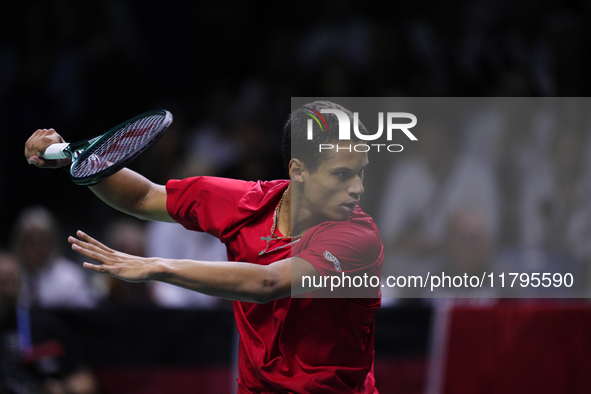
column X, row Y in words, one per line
column 118, row 146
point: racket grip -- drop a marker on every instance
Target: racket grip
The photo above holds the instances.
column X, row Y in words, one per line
column 56, row 151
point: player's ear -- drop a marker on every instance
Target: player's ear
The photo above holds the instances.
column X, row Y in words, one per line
column 296, row 170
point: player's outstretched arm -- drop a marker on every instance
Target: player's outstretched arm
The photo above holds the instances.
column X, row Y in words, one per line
column 225, row 279
column 125, row 190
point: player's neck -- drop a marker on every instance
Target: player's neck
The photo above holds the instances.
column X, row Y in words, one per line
column 293, row 219
column 284, row 214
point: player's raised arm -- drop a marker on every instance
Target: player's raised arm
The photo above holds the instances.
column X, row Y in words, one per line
column 126, row 190
column 132, row 193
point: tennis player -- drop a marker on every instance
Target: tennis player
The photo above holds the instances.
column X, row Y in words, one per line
column 310, row 225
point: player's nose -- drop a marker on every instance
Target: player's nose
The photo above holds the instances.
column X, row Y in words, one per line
column 356, row 188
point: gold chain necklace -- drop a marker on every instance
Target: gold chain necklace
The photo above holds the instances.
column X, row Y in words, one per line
column 273, row 236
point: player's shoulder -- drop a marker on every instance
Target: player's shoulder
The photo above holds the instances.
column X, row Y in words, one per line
column 210, row 182
column 222, row 185
column 359, row 229
column 263, row 193
column 354, row 242
column 269, row 186
column 359, row 217
column 361, row 221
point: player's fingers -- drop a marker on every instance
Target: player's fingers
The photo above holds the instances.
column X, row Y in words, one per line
column 79, row 243
column 103, row 269
column 87, row 238
column 55, row 163
column 36, row 146
column 101, row 255
column 35, row 142
column 35, row 160
column 32, row 149
column 38, row 161
column 88, row 250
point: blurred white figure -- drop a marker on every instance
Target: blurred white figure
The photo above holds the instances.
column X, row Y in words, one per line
column 171, row 240
column 49, row 278
column 421, row 194
column 126, row 235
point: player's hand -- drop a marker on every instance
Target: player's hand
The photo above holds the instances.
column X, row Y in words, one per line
column 117, row 264
column 36, row 145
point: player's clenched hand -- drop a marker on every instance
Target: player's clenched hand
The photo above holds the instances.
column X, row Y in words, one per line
column 36, row 145
column 120, row 265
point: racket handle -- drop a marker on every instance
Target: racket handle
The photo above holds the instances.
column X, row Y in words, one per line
column 56, row 151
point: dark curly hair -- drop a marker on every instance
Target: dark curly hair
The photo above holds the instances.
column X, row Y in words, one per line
column 295, row 133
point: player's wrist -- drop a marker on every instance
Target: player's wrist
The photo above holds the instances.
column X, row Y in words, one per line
column 156, row 269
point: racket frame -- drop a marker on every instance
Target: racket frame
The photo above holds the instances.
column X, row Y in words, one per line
column 79, row 151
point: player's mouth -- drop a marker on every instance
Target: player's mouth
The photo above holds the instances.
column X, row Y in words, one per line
column 350, row 206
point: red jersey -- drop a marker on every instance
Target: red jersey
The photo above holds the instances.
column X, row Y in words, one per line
column 290, row 345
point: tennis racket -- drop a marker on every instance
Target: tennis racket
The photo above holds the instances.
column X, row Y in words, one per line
column 95, row 159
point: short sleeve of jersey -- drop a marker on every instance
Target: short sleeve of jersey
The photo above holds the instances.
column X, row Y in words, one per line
column 353, row 247
column 205, row 203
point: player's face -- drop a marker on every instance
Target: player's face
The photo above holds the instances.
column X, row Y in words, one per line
column 334, row 189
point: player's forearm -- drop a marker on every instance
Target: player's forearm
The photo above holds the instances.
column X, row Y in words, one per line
column 230, row 280
column 132, row 193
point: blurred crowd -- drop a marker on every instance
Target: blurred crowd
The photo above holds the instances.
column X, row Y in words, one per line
column 227, row 74
column 501, row 189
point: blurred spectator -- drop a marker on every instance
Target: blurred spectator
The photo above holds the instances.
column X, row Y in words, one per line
column 50, row 279
column 37, row 355
column 171, row 240
column 554, row 213
column 552, row 195
column 423, row 191
column 126, row 235
column 510, row 135
column 13, row 377
column 211, row 148
column 468, row 244
column 468, row 249
column 536, row 147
